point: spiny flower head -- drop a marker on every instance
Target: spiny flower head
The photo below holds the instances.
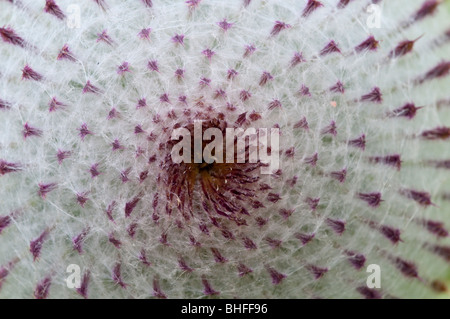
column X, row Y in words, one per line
column 87, row 177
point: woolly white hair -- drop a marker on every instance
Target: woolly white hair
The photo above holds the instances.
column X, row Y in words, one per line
column 277, row 30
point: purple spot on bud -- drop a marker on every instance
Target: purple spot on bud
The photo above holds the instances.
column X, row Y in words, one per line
column 220, row 93
column 311, row 160
column 9, row 36
column 338, row 87
column 276, row 276
column 241, row 119
column 338, row 226
column 90, row 88
column 117, row 276
column 142, row 257
column 304, row 91
column 254, row 116
column 65, row 53
column 356, row 260
column 438, row 164
column 261, row 221
column 131, row 230
column 304, row 238
column 42, row 288
column 343, row 3
column 204, row 82
column 317, row 272
column 148, row 3
column 101, row 4
column 436, row 228
column 44, row 189
column 84, row 131
column 373, row 199
column 192, row 4
column 441, row 133
column 208, row 53
column 374, row 96
column 78, row 240
column 82, row 198
column 272, row 197
column 297, row 59
column 286, row 213
column 312, row 202
column 141, row 103
column 129, row 206
column 194, row 242
column 5, row 270
column 157, row 292
column 370, row 44
column 428, row 8
column 83, row 290
column 368, row 293
column 274, row 104
column 224, row 25
column 290, row 152
column 442, row 251
column 145, row 34
column 390, row 233
column 112, row 114
column 227, row 234
column 391, row 160
column 4, row 105
column 5, row 221
column 249, row 50
column 110, row 209
column 409, row 110
column 54, row 104
column 423, row 198
column 105, row 38
column 303, row 123
column 29, row 74
column 439, row 71
column 116, row 145
column 274, row 243
column 153, row 65
column 231, row 74
column 7, row 167
column 94, row 170
column 179, row 74
column 330, row 129
column 117, row 243
column 30, row 131
column 243, row 270
column 407, row 268
column 244, row 95
column 292, row 181
column 178, row 39
column 183, row 265
column 164, row 98
column 52, row 8
column 311, row 6
column 278, row 27
column 124, row 67
column 402, row 48
column 257, row 204
column 36, row 244
column 331, row 47
column 218, row 256
column 359, row 142
column 208, row 290
column 124, row 175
